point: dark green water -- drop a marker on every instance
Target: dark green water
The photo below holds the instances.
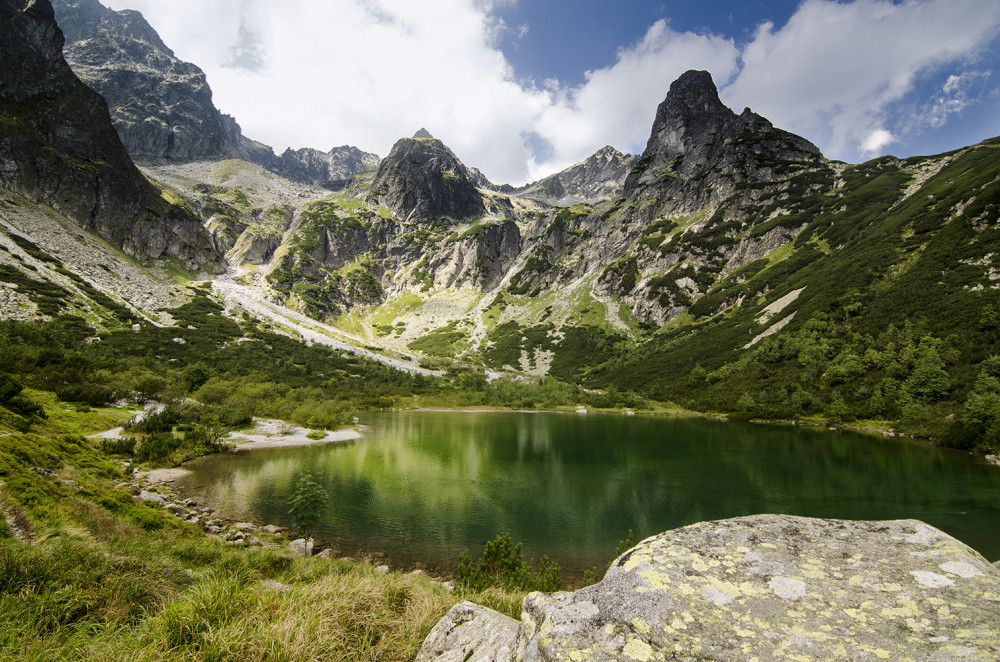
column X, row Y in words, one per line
column 423, row 486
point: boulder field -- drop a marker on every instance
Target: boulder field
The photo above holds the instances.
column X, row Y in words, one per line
column 764, row 587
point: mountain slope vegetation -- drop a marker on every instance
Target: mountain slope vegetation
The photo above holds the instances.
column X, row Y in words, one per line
column 733, row 268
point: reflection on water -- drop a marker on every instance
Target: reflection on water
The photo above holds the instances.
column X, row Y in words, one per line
column 423, row 486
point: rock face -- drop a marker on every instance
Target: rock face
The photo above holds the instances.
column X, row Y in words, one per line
column 160, row 105
column 763, row 588
column 599, row 176
column 422, row 179
column 58, row 147
column 324, row 168
column 699, row 151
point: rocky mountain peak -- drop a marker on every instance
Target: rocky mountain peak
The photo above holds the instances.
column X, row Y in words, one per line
column 599, row 175
column 86, row 19
column 423, row 133
column 690, row 118
column 695, row 91
column 699, row 149
column 422, row 179
column 330, row 169
column 161, row 106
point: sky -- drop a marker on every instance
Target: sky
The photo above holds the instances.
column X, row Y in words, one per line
column 524, row 88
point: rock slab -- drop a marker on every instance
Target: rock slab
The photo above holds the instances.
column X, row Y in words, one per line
column 470, row 633
column 764, row 587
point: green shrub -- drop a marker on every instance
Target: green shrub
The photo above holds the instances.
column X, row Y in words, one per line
column 163, row 421
column 123, row 446
column 156, row 447
column 306, row 504
column 502, row 565
column 91, row 394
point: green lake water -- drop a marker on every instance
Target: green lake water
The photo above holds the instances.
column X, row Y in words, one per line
column 422, row 486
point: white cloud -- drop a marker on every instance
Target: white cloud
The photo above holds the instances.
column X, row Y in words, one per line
column 956, row 95
column 876, row 141
column 834, row 70
column 366, row 72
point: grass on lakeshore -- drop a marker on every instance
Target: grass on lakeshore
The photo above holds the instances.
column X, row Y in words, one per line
column 108, row 577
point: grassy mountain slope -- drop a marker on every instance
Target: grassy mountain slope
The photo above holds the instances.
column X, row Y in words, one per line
column 889, row 276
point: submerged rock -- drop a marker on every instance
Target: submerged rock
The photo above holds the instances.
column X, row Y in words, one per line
column 764, row 587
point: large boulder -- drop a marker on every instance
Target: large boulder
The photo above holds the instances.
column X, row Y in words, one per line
column 765, row 587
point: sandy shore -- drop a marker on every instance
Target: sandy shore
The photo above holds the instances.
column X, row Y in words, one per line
column 160, row 476
column 270, row 433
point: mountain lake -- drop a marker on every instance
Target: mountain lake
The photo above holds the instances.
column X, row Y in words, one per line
column 421, row 486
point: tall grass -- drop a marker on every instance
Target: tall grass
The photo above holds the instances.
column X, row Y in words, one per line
column 69, row 600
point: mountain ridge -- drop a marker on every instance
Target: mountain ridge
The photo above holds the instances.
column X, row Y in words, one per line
column 162, row 106
column 728, row 243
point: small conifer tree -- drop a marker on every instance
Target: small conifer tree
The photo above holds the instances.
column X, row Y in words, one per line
column 306, row 504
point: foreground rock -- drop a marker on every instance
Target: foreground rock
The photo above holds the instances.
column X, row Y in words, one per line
column 765, row 587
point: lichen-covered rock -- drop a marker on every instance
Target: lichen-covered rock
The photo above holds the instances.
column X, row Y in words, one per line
column 470, row 633
column 772, row 587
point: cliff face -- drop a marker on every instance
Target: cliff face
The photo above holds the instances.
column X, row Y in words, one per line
column 160, row 105
column 422, row 179
column 58, row 147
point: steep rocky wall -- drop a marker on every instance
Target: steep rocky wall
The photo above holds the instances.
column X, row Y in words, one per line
column 160, row 105
column 699, row 152
column 58, row 147
column 764, row 587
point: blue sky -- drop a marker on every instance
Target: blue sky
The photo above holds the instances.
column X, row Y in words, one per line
column 523, row 88
column 564, row 39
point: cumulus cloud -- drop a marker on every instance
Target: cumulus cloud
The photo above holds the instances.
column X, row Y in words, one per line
column 833, row 71
column 302, row 73
column 876, row 142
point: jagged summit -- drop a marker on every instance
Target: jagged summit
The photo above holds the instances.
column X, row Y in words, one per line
column 423, row 133
column 596, row 177
column 324, row 168
column 422, row 179
column 699, row 150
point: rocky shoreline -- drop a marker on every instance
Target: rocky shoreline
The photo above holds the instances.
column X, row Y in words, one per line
column 153, row 487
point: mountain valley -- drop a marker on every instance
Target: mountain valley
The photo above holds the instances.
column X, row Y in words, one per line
column 702, row 271
column 166, row 281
